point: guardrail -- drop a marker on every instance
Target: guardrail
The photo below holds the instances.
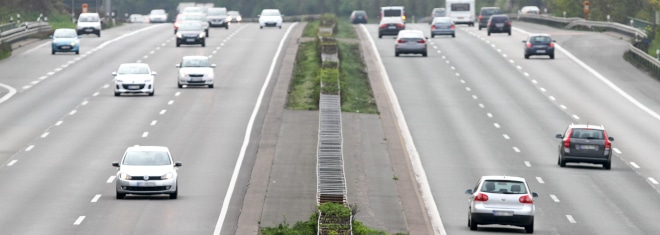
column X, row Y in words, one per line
column 570, row 23
column 22, row 31
column 644, row 60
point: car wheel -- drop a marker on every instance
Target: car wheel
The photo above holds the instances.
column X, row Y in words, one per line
column 530, row 228
column 120, row 195
column 98, row 34
column 473, row 225
column 280, row 27
column 175, row 194
column 227, row 27
column 52, row 52
column 77, row 52
column 432, row 35
column 561, row 162
column 488, row 33
column 117, row 93
column 425, row 54
column 396, row 54
column 178, row 44
column 453, row 35
column 152, row 93
column 526, row 56
column 552, row 56
column 607, row 165
column 380, row 36
column 203, row 44
column 261, row 27
column 211, row 86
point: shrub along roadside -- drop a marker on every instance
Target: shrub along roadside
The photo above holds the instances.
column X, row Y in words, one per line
column 5, row 50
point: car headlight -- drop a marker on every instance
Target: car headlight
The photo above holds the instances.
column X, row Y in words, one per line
column 74, row 43
column 210, row 75
column 124, row 176
column 228, row 18
column 167, row 176
column 238, row 18
column 179, row 35
column 183, row 75
column 202, row 35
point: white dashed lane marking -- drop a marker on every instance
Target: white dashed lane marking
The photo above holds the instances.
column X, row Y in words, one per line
column 540, row 180
column 96, row 198
column 153, row 123
column 163, row 112
column 145, row 134
column 44, row 135
column 570, row 219
column 59, row 123
column 12, row 162
column 29, row 148
column 633, row 164
column 652, row 180
column 528, row 164
column 112, row 178
column 79, row 220
column 554, row 198
column 516, row 149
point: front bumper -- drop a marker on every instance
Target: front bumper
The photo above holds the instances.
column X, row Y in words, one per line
column 193, row 80
column 190, row 40
column 134, row 88
column 64, row 47
column 88, row 30
column 147, row 187
column 271, row 24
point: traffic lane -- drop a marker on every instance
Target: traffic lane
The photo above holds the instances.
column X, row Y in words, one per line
column 204, row 130
column 551, row 152
column 579, row 91
column 45, row 101
column 110, row 115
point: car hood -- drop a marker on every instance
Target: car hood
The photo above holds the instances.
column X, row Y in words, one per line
column 147, row 170
column 198, row 70
column 65, row 40
column 270, row 18
column 186, row 32
column 133, row 78
column 216, row 17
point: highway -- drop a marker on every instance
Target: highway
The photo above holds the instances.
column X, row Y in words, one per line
column 474, row 107
column 63, row 127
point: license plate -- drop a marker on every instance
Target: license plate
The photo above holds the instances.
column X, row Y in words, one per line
column 391, row 27
column 503, row 213
column 133, row 87
column 146, row 183
column 190, row 40
column 500, row 25
column 587, row 147
column 89, row 30
column 66, row 47
column 540, row 51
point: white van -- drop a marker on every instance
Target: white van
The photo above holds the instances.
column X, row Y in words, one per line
column 393, row 11
column 89, row 23
column 461, row 11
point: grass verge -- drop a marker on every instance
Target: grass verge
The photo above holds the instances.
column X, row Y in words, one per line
column 304, row 89
column 5, row 50
column 356, row 92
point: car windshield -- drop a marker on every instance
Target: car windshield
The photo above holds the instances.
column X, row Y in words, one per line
column 592, row 134
column 192, row 9
column 89, row 18
column 503, row 187
column 270, row 13
column 65, row 34
column 195, row 62
column 157, row 12
column 190, row 26
column 216, row 12
column 233, row 13
column 442, row 20
column 133, row 69
column 146, row 158
column 490, row 11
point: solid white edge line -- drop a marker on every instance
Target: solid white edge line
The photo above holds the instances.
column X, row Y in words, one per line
column 420, row 173
column 12, row 92
column 79, row 220
column 248, row 132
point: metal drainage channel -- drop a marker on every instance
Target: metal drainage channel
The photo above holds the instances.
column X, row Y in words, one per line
column 331, row 182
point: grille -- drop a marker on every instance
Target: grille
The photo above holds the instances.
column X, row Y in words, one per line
column 146, row 189
column 133, row 86
column 142, row 178
column 196, row 75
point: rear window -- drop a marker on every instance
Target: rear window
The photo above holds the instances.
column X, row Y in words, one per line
column 460, row 7
column 392, row 13
column 592, row 134
column 503, row 187
column 491, row 11
column 500, row 19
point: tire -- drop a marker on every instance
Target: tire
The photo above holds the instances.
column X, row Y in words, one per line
column 380, row 36
column 175, row 194
column 120, row 195
column 396, row 54
column 117, row 93
column 552, row 56
column 530, row 228
column 561, row 162
column 261, row 27
column 607, row 165
column 152, row 93
column 203, row 44
column 98, row 34
column 211, row 86
column 432, row 35
column 425, row 54
column 488, row 33
column 179, row 85
column 77, row 52
column 226, row 26
column 509, row 33
column 52, row 52
column 453, row 35
column 207, row 33
column 473, row 225
column 526, row 56
column 480, row 27
column 178, row 44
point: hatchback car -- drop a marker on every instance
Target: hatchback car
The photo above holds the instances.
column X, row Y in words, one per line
column 410, row 42
column 158, row 16
column 234, row 17
column 147, row 170
column 65, row 40
column 443, row 26
column 195, row 71
column 484, row 15
column 217, row 17
column 437, row 12
column 198, row 17
column 539, row 44
column 503, row 200
column 530, row 10
column 89, row 23
column 134, row 78
column 191, row 32
column 270, row 18
column 390, row 26
column 359, row 17
column 499, row 24
column 585, row 143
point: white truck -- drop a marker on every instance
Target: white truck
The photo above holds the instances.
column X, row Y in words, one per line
column 461, row 11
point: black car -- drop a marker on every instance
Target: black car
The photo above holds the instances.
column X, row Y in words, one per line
column 485, row 14
column 390, row 26
column 359, row 17
column 499, row 24
column 539, row 44
column 217, row 17
column 191, row 32
column 585, row 143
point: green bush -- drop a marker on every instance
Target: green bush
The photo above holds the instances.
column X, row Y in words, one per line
column 5, row 50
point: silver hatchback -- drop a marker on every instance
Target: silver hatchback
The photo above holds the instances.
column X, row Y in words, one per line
column 410, row 42
column 147, row 170
column 504, row 200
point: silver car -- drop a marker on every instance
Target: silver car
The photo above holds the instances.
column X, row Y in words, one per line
column 147, row 170
column 134, row 78
column 195, row 71
column 504, row 200
column 443, row 26
column 410, row 42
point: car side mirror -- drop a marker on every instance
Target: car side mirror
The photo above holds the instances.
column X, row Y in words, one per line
column 115, row 164
column 212, row 65
column 177, row 65
column 559, row 136
column 469, row 191
column 114, row 74
column 554, row 40
column 51, row 36
column 610, row 138
column 153, row 73
column 178, row 164
column 535, row 194
column 524, row 41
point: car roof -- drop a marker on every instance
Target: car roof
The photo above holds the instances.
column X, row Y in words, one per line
column 489, row 8
column 502, row 177
column 539, row 34
column 588, row 126
column 147, row 148
column 195, row 57
column 411, row 32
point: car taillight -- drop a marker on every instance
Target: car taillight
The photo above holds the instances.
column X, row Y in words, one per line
column 608, row 144
column 481, row 197
column 567, row 139
column 508, row 23
column 529, row 45
column 551, row 45
column 480, row 17
column 399, row 25
column 400, row 41
column 433, row 27
column 382, row 26
column 526, row 199
column 452, row 26
column 421, row 41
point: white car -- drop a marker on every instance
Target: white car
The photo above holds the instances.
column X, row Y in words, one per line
column 147, row 170
column 504, row 200
column 158, row 16
column 134, row 78
column 195, row 71
column 89, row 23
column 270, row 18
